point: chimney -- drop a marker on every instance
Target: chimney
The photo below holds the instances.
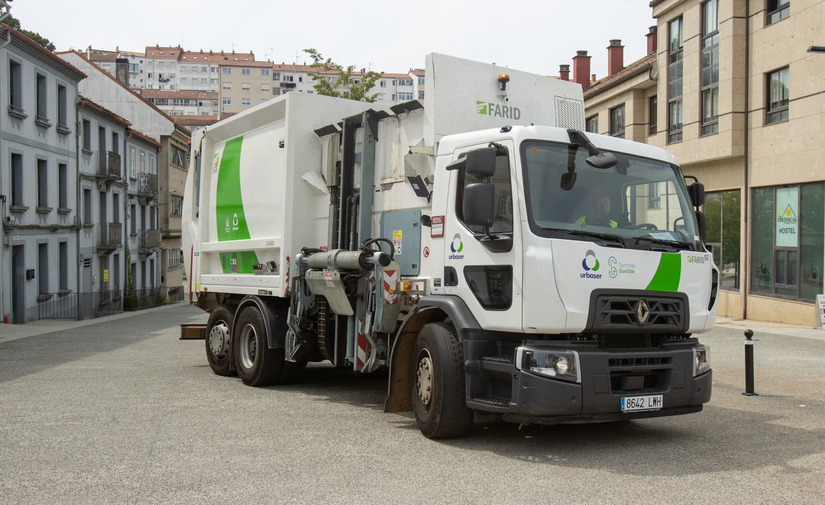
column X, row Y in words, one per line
column 651, row 40
column 564, row 72
column 581, row 69
column 615, row 57
column 592, row 79
column 122, row 71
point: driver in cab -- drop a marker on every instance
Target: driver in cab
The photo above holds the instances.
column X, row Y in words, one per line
column 600, row 215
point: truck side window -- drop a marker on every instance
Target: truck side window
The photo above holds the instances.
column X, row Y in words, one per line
column 503, row 202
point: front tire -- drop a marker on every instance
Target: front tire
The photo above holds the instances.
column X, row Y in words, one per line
column 218, row 343
column 437, row 383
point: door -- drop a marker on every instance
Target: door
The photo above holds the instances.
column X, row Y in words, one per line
column 487, row 278
column 18, row 285
column 86, row 295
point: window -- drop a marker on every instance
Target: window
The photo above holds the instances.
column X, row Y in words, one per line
column 245, row 85
column 62, row 186
column 115, row 277
column 420, row 81
column 178, row 157
column 617, row 121
column 183, row 68
column 176, row 205
column 64, row 266
column 15, row 86
column 174, row 258
column 115, row 143
column 133, row 219
column 778, row 10
column 142, row 162
column 288, row 78
column 62, row 112
column 653, row 114
column 43, row 267
column 183, row 81
column 300, row 78
column 204, row 81
column 87, row 206
column 405, row 96
column 227, row 85
column 383, row 84
column 276, row 76
column 263, row 100
column 723, row 211
column 133, row 67
column 42, row 183
column 787, row 252
column 710, row 67
column 265, row 87
column 87, row 135
column 133, row 162
column 779, row 95
column 213, row 70
column 654, row 195
column 17, row 179
column 420, row 95
column 246, row 101
column 674, row 79
column 264, row 71
column 502, row 200
column 245, row 71
column 227, row 101
column 152, row 169
column 227, row 70
column 393, row 96
column 592, row 124
column 42, row 109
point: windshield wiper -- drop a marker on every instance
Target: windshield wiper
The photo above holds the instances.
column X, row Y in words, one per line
column 604, row 236
column 662, row 241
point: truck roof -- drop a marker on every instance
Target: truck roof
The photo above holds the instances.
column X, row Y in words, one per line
column 519, row 134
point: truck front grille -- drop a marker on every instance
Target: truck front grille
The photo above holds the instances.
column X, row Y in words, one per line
column 614, row 311
column 630, row 341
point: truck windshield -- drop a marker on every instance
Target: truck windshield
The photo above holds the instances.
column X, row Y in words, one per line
column 639, row 203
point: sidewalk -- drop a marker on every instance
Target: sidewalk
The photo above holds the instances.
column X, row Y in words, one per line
column 9, row 332
column 774, row 328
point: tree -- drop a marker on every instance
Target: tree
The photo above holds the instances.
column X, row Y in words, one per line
column 39, row 39
column 331, row 77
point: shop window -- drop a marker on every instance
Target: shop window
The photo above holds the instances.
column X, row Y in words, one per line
column 723, row 211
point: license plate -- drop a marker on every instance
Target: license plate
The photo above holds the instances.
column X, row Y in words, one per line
column 641, row 403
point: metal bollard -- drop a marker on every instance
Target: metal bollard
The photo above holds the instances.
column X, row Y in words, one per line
column 749, row 363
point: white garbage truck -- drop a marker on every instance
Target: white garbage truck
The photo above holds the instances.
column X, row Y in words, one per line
column 499, row 262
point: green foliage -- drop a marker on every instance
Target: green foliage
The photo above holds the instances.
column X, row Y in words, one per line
column 41, row 40
column 331, row 79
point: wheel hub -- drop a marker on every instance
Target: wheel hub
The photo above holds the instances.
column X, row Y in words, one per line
column 248, row 346
column 219, row 339
column 424, row 378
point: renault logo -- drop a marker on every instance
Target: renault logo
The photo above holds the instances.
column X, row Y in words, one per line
column 642, row 311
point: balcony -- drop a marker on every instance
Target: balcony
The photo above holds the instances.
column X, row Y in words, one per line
column 149, row 241
column 109, row 166
column 147, row 186
column 110, row 237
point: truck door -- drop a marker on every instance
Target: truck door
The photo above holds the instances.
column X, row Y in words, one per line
column 486, row 276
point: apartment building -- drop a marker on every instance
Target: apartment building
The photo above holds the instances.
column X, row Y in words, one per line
column 38, row 177
column 173, row 138
column 183, row 102
column 735, row 95
column 142, row 227
column 175, row 68
column 244, row 84
column 132, row 64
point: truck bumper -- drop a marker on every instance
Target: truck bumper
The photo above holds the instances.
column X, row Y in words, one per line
column 607, row 377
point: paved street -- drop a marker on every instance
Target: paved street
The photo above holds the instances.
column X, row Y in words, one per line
column 120, row 411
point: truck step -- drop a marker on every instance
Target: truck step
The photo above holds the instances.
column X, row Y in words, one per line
column 499, row 359
column 489, row 403
column 501, row 364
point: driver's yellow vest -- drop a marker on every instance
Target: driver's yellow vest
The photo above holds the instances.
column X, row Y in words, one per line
column 581, row 221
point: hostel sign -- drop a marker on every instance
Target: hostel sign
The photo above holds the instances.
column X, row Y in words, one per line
column 787, row 217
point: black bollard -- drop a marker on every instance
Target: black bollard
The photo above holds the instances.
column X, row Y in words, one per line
column 749, row 364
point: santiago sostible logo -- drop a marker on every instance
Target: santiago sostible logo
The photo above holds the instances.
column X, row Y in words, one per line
column 497, row 110
column 590, row 264
column 456, row 246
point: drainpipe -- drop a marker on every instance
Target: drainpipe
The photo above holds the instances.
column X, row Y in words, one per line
column 78, row 190
column 746, row 193
column 129, row 217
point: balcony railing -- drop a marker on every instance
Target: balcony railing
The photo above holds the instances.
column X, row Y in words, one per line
column 109, row 167
column 149, row 241
column 110, row 237
column 147, row 186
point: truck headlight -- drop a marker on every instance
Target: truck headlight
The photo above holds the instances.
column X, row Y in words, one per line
column 701, row 360
column 562, row 365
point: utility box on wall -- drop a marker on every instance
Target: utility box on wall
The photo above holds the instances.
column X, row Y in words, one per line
column 30, row 274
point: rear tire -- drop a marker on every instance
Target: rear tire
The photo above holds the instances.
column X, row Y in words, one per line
column 218, row 343
column 255, row 362
column 437, row 383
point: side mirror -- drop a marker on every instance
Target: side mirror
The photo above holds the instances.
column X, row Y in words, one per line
column 696, row 191
column 702, row 225
column 482, row 162
column 478, row 206
column 602, row 160
column 568, row 179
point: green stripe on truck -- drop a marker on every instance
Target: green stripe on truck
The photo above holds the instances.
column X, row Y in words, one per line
column 229, row 210
column 668, row 273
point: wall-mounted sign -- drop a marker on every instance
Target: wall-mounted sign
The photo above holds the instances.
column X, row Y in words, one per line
column 787, row 216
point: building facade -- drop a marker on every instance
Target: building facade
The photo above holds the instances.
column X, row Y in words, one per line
column 38, row 177
column 183, row 102
column 735, row 95
column 174, row 155
column 244, row 84
column 142, row 262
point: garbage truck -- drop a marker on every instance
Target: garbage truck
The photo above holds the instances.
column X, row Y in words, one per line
column 494, row 260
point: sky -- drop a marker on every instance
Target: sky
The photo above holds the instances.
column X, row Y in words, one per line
column 533, row 36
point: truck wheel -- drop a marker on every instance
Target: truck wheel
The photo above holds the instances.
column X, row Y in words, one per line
column 437, row 385
column 218, row 340
column 256, row 363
